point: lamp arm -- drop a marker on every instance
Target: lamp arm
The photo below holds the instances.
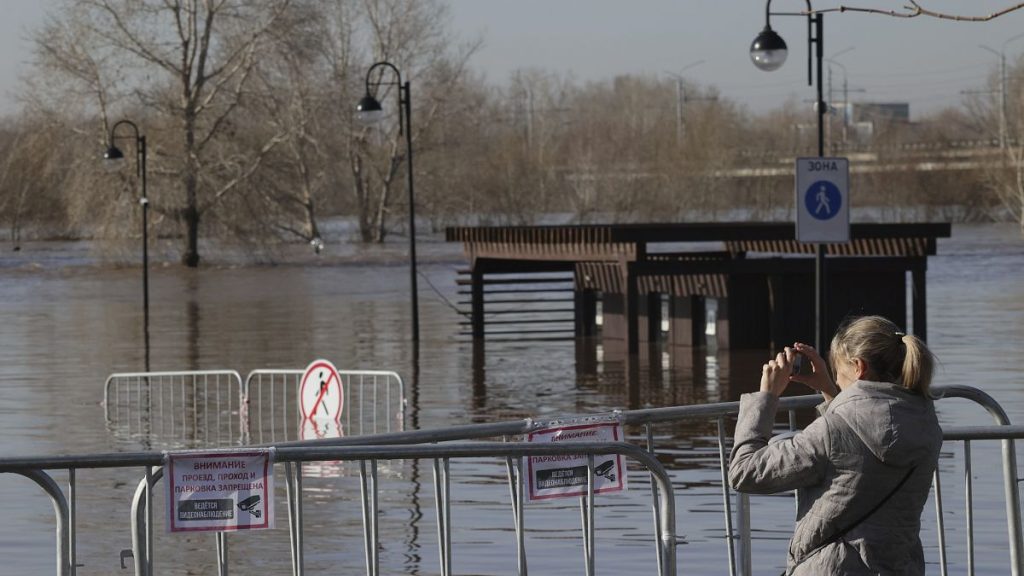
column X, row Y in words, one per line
column 810, row 34
column 113, row 129
column 376, row 65
column 403, row 102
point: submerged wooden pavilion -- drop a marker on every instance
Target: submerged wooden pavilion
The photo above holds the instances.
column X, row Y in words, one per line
column 761, row 278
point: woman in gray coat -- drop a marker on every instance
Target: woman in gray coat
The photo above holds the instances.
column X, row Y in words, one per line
column 863, row 469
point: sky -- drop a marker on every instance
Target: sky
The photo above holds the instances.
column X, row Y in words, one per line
column 924, row 61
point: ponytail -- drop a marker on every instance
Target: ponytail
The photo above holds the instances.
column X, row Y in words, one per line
column 918, row 365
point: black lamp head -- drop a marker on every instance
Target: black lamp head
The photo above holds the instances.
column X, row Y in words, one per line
column 369, row 111
column 113, row 153
column 768, row 50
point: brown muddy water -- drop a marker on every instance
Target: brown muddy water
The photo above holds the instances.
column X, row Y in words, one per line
column 67, row 322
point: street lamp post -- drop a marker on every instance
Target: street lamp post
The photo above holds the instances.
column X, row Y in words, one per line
column 847, row 111
column 1002, row 87
column 834, row 59
column 114, row 154
column 768, row 52
column 681, row 98
column 369, row 110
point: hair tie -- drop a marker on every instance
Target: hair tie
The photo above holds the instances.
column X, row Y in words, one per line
column 899, row 334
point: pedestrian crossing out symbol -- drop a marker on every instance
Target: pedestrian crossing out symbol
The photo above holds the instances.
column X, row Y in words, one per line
column 321, row 395
column 822, row 200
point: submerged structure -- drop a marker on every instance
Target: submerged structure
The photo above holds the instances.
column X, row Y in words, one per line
column 761, row 279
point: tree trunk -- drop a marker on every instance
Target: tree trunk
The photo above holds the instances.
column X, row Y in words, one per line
column 191, row 214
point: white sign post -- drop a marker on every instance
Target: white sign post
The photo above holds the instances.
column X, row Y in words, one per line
column 822, row 200
column 220, row 490
column 320, row 394
column 564, row 475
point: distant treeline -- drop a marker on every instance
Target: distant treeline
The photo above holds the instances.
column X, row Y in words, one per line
column 247, row 110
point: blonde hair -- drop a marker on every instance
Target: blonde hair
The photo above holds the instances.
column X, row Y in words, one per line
column 890, row 355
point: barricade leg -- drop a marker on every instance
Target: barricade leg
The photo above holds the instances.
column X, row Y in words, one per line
column 1012, row 497
column 60, row 511
column 515, row 488
column 367, row 518
column 655, row 502
column 723, row 465
column 149, row 520
column 139, row 529
column 368, row 489
column 222, row 553
column 73, row 552
column 969, row 502
column 442, row 492
column 142, row 535
column 743, row 513
column 941, row 525
column 587, row 511
column 292, row 540
column 293, row 485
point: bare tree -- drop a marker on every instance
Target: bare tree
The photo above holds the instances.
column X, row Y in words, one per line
column 414, row 36
column 33, row 168
column 297, row 90
column 1007, row 180
column 185, row 65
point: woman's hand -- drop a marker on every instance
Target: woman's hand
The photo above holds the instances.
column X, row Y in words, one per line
column 819, row 379
column 775, row 373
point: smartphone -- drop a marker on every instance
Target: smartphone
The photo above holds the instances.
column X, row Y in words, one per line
column 798, row 364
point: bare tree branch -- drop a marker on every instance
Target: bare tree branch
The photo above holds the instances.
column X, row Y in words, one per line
column 914, row 9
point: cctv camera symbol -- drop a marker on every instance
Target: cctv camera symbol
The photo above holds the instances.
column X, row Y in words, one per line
column 605, row 470
column 249, row 505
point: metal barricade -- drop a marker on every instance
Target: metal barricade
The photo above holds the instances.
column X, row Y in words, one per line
column 1011, row 493
column 368, row 457
column 648, row 418
column 374, row 404
column 740, row 559
column 187, row 408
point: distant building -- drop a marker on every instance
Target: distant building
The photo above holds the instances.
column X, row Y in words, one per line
column 876, row 111
column 860, row 118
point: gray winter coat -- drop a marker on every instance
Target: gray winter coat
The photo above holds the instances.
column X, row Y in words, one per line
column 844, row 464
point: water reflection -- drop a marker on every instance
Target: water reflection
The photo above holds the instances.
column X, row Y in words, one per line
column 192, row 321
column 53, row 360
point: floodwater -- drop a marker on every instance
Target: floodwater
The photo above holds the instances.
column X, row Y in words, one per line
column 66, row 323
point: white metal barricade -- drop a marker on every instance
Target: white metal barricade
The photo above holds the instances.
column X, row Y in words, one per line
column 175, row 409
column 374, row 404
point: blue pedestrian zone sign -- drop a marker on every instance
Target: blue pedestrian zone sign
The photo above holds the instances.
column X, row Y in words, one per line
column 822, row 200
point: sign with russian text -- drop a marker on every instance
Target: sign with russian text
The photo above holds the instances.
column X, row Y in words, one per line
column 220, row 490
column 823, row 200
column 565, row 475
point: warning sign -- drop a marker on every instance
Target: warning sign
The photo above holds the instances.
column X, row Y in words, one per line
column 320, row 393
column 563, row 475
column 220, row 490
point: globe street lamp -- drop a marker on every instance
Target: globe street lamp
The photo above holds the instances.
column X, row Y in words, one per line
column 768, row 52
column 115, row 156
column 369, row 111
